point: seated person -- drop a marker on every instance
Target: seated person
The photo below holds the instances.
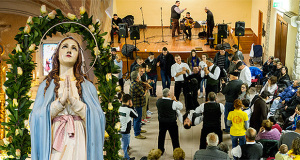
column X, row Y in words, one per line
column 275, row 125
column 237, row 53
column 223, row 147
column 178, row 154
column 154, row 154
column 188, row 25
column 211, row 152
column 266, row 131
column 284, row 78
column 295, row 151
column 284, row 97
column 250, row 150
column 291, row 105
column 288, row 137
column 268, row 66
column 290, row 123
column 270, row 86
column 282, row 153
column 115, row 28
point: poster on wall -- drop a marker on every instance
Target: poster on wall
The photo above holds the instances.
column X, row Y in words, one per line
column 48, row 50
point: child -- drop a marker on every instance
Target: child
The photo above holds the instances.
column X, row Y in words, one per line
column 126, row 112
column 282, row 153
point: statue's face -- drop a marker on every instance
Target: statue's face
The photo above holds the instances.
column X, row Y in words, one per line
column 68, row 52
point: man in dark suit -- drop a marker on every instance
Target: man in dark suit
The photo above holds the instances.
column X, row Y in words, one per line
column 165, row 61
column 210, row 24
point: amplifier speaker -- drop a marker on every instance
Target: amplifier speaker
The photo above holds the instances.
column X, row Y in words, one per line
column 222, row 30
column 239, row 28
column 123, row 30
column 134, row 32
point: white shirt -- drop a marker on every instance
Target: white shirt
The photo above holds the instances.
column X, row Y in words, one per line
column 237, row 151
column 202, row 65
column 197, row 120
column 176, row 68
column 176, row 105
column 245, row 75
column 214, row 76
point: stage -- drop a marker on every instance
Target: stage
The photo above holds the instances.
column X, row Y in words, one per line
column 175, row 45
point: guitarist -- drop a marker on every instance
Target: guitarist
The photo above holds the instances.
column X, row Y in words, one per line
column 188, row 25
column 115, row 28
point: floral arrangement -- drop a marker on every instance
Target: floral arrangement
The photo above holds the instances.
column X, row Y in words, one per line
column 17, row 141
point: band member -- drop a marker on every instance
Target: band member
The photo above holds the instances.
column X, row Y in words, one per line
column 175, row 15
column 115, row 28
column 188, row 25
column 210, row 24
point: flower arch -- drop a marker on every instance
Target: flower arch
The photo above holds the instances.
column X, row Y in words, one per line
column 17, row 141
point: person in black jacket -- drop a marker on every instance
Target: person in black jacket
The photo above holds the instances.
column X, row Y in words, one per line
column 268, row 66
column 192, row 85
column 210, row 24
column 290, row 107
column 165, row 61
column 231, row 92
column 151, row 64
column 284, row 79
column 115, row 28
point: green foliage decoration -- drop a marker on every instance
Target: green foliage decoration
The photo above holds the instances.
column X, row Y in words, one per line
column 17, row 142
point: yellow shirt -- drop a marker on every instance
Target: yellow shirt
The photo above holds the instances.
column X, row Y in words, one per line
column 295, row 157
column 237, row 118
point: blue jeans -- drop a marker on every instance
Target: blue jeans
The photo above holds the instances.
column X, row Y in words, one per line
column 201, row 85
column 153, row 85
column 228, row 107
column 137, row 121
column 166, row 80
column 276, row 105
column 125, row 143
column 241, row 140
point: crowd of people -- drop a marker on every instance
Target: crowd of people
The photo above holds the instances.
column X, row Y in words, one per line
column 270, row 117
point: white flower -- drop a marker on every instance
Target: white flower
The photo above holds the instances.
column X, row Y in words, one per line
column 71, row 16
column 6, row 142
column 118, row 126
column 52, row 14
column 18, row 48
column 32, row 47
column 29, row 20
column 43, row 9
column 27, row 29
column 18, row 152
column 110, row 106
column 91, row 27
column 96, row 51
column 15, row 102
column 17, row 132
column 108, row 77
column 98, row 92
column 118, row 89
column 20, row 71
column 98, row 21
column 81, row 10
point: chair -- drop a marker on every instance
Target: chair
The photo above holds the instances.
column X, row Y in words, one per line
column 270, row 147
column 256, row 75
column 257, row 58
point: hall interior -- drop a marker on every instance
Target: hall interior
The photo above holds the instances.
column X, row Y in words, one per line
column 266, row 24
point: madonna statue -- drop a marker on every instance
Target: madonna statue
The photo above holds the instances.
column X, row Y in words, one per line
column 67, row 122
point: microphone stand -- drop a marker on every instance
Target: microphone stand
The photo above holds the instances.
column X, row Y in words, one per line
column 144, row 26
column 162, row 29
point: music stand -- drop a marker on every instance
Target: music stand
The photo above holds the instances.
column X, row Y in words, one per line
column 162, row 29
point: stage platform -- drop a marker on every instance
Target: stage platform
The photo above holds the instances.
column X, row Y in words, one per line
column 175, row 45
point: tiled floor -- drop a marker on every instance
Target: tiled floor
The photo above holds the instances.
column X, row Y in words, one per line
column 189, row 139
